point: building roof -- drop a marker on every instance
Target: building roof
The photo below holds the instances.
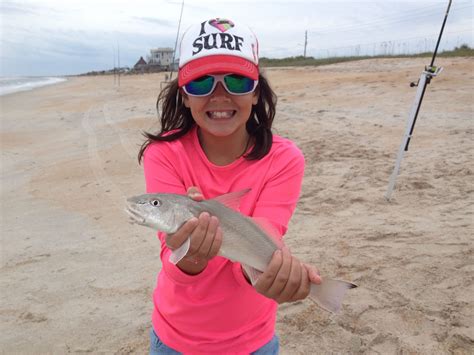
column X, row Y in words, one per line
column 141, row 61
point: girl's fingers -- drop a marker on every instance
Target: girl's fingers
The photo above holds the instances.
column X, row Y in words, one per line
column 208, row 239
column 194, row 193
column 199, row 233
column 266, row 280
column 293, row 282
column 286, row 279
column 281, row 278
column 313, row 274
column 175, row 240
column 303, row 290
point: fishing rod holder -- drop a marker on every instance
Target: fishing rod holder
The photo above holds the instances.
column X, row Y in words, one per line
column 425, row 78
column 429, row 73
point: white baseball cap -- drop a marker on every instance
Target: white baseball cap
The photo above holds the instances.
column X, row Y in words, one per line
column 218, row 46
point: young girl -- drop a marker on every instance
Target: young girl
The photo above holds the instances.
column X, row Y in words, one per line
column 216, row 138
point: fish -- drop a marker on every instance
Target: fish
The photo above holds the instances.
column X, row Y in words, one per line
column 246, row 240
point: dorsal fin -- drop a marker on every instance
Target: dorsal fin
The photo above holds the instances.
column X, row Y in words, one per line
column 232, row 199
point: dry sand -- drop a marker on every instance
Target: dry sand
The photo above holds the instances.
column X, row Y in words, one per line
column 76, row 277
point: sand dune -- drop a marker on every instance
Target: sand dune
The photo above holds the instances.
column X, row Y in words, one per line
column 76, row 277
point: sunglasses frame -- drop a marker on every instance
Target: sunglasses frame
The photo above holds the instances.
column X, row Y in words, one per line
column 220, row 79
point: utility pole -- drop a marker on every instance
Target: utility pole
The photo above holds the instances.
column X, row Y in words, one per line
column 305, row 42
column 115, row 79
column 118, row 58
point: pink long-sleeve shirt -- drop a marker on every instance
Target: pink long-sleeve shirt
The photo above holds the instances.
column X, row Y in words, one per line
column 218, row 311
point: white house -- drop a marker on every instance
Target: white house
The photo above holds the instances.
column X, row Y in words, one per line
column 161, row 56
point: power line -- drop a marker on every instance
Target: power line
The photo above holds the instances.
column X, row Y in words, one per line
column 392, row 40
column 384, row 21
column 415, row 14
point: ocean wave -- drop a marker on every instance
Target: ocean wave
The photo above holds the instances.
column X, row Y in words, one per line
column 9, row 85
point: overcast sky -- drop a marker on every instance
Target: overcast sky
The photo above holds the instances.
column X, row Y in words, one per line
column 59, row 37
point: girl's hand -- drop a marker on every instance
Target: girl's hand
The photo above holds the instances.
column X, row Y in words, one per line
column 286, row 279
column 205, row 236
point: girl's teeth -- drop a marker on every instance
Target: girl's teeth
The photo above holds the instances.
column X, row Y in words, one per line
column 220, row 114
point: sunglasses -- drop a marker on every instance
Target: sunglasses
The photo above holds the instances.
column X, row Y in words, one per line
column 234, row 84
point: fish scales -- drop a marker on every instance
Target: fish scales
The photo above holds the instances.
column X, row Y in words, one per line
column 244, row 240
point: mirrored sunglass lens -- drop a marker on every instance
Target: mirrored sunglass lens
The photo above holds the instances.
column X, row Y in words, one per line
column 238, row 84
column 200, row 86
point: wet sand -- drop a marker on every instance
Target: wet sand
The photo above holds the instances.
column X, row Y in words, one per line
column 76, row 277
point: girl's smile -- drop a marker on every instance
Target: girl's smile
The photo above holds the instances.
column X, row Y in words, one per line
column 222, row 114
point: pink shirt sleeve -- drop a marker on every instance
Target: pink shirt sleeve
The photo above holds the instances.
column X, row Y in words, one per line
column 280, row 194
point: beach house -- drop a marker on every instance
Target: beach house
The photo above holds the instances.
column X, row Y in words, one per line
column 161, row 57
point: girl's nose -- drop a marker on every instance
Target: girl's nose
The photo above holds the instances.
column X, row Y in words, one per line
column 219, row 93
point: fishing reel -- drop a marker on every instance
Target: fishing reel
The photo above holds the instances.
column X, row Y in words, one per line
column 429, row 72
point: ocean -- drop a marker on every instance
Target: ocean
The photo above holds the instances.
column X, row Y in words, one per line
column 11, row 84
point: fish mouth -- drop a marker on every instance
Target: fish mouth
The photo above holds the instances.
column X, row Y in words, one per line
column 134, row 215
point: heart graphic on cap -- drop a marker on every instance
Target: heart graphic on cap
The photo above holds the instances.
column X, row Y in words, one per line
column 221, row 24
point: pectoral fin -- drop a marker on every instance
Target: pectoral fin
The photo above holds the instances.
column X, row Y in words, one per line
column 180, row 253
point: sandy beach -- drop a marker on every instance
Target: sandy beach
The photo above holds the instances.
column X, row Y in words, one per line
column 76, row 277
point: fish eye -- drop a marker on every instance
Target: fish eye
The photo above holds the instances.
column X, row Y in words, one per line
column 155, row 203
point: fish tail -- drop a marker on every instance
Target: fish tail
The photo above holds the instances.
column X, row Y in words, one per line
column 329, row 294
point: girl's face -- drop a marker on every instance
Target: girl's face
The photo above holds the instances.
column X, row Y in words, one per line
column 221, row 114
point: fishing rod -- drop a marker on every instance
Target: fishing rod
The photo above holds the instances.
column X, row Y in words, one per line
column 425, row 78
column 176, row 42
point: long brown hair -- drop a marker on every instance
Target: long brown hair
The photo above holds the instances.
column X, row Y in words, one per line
column 176, row 117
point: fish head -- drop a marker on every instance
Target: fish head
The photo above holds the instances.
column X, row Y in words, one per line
column 163, row 212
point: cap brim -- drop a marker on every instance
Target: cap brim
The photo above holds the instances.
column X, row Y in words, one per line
column 216, row 64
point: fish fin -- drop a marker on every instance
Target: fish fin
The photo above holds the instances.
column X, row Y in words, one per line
column 232, row 199
column 252, row 273
column 180, row 253
column 329, row 294
column 270, row 229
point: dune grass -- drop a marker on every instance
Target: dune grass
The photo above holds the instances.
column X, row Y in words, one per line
column 462, row 51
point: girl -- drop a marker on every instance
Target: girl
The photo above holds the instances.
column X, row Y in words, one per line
column 216, row 138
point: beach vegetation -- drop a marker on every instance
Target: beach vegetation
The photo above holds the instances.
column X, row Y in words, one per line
column 462, row 51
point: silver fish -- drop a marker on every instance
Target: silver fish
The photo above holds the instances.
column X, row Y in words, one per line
column 244, row 240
